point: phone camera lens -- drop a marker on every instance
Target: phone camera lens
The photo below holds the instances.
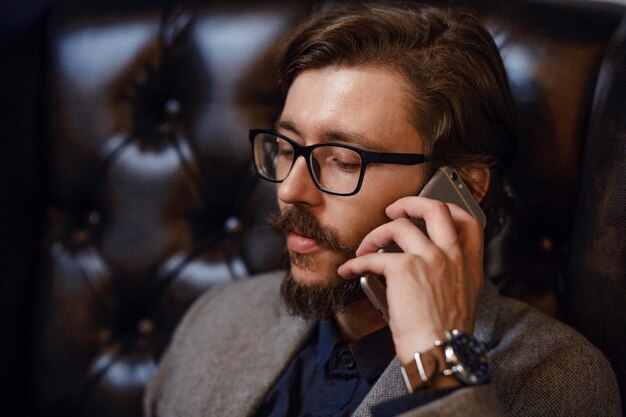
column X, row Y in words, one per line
column 454, row 176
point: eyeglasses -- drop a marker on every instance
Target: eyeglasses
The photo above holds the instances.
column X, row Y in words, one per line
column 335, row 168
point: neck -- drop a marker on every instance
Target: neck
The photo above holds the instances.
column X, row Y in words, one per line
column 358, row 319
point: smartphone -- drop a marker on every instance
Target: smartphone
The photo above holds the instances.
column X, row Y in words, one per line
column 447, row 186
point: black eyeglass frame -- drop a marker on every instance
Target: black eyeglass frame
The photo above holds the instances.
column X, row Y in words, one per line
column 367, row 157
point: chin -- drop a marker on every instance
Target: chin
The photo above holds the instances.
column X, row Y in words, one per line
column 311, row 270
column 314, row 295
column 312, row 277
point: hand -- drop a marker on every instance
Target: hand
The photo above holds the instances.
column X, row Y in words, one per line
column 434, row 284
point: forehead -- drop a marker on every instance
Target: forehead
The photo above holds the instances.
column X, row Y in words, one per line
column 366, row 103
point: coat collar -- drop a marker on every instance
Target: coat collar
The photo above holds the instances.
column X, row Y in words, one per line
column 274, row 344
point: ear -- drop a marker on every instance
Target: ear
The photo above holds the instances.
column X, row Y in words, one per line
column 477, row 179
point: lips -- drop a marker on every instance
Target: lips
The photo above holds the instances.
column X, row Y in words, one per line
column 299, row 243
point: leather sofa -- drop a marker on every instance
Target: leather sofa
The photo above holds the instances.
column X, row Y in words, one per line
column 130, row 190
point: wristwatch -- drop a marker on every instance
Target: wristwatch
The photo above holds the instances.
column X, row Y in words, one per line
column 459, row 355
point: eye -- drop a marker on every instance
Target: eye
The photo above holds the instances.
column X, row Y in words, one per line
column 345, row 159
column 346, row 166
column 285, row 149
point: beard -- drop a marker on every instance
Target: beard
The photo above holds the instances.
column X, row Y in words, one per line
column 319, row 301
column 315, row 301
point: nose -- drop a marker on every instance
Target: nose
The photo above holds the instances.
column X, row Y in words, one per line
column 298, row 187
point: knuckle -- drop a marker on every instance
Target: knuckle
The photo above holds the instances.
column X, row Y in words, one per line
column 438, row 206
column 475, row 226
column 456, row 257
column 408, row 262
column 399, row 221
column 397, row 226
column 436, row 259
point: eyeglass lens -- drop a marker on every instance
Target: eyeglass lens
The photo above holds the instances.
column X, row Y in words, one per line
column 334, row 168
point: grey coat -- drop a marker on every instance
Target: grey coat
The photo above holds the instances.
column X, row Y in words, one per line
column 235, row 341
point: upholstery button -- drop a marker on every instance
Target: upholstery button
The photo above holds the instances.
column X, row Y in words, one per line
column 94, row 217
column 233, row 225
column 145, row 327
column 172, row 107
column 546, row 244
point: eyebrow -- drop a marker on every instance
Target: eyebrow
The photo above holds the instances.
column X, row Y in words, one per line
column 342, row 136
column 287, row 125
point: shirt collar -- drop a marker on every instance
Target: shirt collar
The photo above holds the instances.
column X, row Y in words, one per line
column 372, row 353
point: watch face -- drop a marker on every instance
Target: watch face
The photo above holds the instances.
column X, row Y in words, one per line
column 468, row 359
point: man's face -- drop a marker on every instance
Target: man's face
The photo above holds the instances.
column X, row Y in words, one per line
column 365, row 107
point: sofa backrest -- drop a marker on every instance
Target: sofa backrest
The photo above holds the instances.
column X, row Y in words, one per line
column 140, row 148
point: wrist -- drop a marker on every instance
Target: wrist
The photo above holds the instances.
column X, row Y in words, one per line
column 455, row 360
column 409, row 345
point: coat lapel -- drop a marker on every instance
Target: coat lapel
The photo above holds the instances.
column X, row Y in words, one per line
column 255, row 365
column 390, row 384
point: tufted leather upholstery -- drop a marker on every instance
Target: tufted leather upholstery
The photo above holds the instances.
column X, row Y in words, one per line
column 150, row 188
column 149, row 198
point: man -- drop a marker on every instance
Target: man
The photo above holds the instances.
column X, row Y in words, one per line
column 372, row 92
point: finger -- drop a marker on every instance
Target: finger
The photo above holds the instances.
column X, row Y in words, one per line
column 469, row 229
column 402, row 232
column 471, row 236
column 440, row 224
column 373, row 263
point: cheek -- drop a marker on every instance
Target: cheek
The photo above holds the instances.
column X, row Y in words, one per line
column 354, row 224
column 366, row 210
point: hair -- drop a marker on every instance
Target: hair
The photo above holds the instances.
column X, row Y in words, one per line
column 460, row 100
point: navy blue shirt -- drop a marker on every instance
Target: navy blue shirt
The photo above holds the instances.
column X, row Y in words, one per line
column 329, row 377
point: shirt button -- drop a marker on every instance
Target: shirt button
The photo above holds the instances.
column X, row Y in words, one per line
column 346, row 360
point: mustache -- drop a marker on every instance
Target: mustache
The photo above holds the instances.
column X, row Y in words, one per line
column 296, row 218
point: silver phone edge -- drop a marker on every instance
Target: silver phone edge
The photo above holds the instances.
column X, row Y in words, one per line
column 374, row 296
column 463, row 192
